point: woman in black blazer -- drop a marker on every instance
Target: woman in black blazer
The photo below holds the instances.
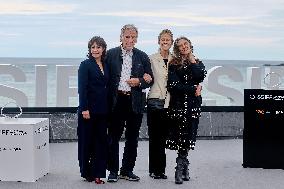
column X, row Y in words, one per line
column 92, row 111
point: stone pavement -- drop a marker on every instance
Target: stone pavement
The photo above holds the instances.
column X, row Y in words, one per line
column 215, row 164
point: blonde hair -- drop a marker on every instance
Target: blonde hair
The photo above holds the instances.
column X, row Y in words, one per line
column 166, row 31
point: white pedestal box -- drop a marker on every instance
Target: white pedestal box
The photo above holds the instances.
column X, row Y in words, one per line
column 24, row 149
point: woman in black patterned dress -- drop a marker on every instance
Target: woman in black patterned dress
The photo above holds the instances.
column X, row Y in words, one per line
column 184, row 78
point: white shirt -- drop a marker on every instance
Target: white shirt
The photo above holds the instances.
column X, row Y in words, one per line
column 126, row 70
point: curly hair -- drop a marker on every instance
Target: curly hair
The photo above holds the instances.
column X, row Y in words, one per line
column 177, row 58
column 100, row 42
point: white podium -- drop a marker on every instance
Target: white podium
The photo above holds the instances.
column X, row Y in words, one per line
column 24, row 149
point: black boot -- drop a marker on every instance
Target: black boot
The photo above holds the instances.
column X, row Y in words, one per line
column 185, row 171
column 178, row 173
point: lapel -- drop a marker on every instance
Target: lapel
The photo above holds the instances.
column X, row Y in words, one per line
column 105, row 75
column 134, row 64
column 161, row 64
column 119, row 61
column 97, row 68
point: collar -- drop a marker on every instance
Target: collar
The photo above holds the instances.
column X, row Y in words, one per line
column 125, row 52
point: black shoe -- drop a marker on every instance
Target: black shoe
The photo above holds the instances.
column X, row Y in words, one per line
column 112, row 177
column 154, row 176
column 89, row 179
column 158, row 176
column 129, row 176
column 163, row 176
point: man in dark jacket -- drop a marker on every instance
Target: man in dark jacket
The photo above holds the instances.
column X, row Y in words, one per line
column 130, row 73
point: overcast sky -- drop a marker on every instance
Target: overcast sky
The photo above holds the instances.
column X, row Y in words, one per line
column 219, row 29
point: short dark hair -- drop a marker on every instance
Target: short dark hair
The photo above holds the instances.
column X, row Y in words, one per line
column 100, row 42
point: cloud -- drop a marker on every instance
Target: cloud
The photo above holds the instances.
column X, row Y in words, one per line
column 212, row 25
column 184, row 13
column 147, row 42
column 5, row 34
column 34, row 8
column 173, row 23
column 181, row 15
column 67, row 44
column 226, row 41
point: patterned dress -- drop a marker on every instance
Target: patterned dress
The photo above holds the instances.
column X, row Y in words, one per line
column 184, row 108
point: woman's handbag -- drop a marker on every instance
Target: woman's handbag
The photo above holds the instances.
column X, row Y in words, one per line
column 155, row 103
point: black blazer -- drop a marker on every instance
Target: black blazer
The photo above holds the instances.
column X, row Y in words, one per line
column 140, row 65
column 182, row 81
column 92, row 87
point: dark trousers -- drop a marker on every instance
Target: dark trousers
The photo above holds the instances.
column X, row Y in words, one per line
column 156, row 120
column 92, row 146
column 123, row 117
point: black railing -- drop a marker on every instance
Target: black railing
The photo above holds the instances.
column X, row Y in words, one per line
column 40, row 110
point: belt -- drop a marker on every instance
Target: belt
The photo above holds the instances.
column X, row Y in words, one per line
column 127, row 93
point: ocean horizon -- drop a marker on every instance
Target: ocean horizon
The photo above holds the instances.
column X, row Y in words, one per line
column 64, row 60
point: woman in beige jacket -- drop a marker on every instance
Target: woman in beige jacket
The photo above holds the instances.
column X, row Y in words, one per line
column 156, row 106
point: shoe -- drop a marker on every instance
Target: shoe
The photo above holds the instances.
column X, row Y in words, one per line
column 158, row 176
column 129, row 176
column 112, row 177
column 99, row 181
column 154, row 176
column 163, row 176
column 89, row 179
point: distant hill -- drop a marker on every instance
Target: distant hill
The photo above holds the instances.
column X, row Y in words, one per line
column 281, row 64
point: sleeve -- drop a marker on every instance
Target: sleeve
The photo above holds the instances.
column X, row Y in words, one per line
column 175, row 85
column 148, row 70
column 83, row 86
column 198, row 71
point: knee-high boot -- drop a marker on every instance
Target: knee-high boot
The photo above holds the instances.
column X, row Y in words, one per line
column 185, row 171
column 179, row 169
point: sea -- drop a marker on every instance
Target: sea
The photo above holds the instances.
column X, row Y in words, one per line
column 27, row 65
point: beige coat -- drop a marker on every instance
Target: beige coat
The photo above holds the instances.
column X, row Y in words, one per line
column 160, row 73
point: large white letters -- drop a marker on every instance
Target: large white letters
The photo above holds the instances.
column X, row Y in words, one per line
column 212, row 83
column 10, row 92
column 256, row 77
column 63, row 91
column 41, row 85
